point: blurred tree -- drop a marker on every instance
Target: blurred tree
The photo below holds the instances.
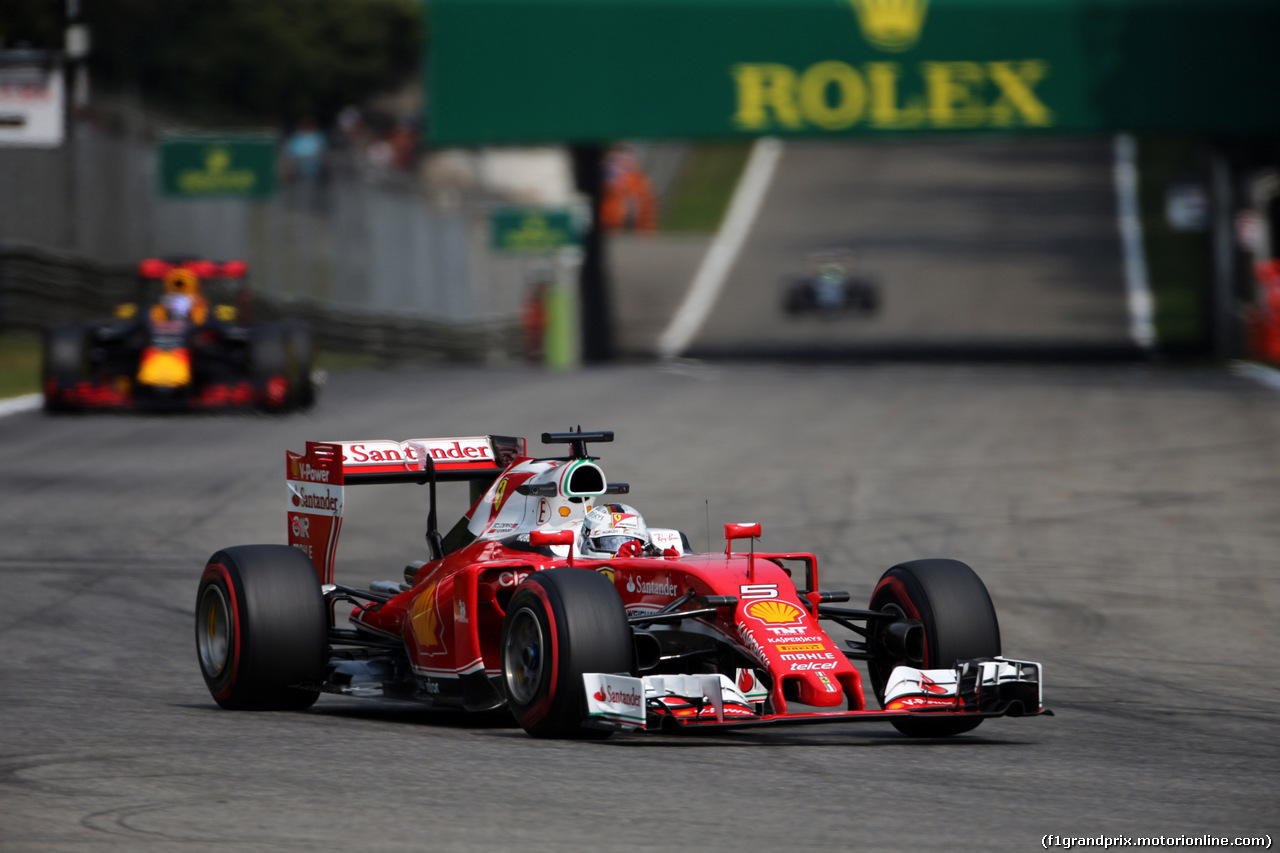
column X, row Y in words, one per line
column 243, row 60
column 30, row 24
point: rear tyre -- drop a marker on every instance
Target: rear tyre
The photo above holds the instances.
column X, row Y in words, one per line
column 959, row 621
column 799, row 297
column 269, row 366
column 302, row 392
column 66, row 362
column 862, row 296
column 261, row 629
column 560, row 624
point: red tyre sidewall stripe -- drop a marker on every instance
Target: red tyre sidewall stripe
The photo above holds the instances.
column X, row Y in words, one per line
column 217, row 571
column 542, row 707
column 899, row 592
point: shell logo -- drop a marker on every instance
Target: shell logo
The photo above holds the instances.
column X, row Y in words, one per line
column 774, row 612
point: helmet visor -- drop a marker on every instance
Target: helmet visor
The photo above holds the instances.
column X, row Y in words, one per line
column 610, row 544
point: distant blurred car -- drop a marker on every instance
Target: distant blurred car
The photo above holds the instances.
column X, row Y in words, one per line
column 187, row 342
column 831, row 285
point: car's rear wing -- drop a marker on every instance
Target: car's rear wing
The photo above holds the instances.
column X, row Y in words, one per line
column 317, row 477
column 388, row 461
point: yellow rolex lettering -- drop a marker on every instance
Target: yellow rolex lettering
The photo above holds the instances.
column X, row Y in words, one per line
column 1016, row 80
column 954, row 93
column 845, row 83
column 834, row 95
column 886, row 112
column 764, row 88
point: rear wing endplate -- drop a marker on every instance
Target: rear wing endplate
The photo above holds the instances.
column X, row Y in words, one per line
column 316, row 479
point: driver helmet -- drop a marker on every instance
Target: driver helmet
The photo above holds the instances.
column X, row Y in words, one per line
column 609, row 527
column 181, row 280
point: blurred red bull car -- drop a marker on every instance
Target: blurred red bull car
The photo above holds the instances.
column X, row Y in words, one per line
column 551, row 600
column 187, row 341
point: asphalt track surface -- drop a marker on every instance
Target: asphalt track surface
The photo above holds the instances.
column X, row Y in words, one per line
column 975, row 246
column 980, row 248
column 1123, row 519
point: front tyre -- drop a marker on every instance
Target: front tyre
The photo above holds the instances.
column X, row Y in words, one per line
column 952, row 603
column 560, row 624
column 261, row 628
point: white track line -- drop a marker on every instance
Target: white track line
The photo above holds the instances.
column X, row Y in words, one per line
column 724, row 249
column 25, row 403
column 1260, row 373
column 1141, row 327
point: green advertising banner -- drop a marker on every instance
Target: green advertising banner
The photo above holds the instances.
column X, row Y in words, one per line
column 514, row 71
column 524, row 230
column 232, row 166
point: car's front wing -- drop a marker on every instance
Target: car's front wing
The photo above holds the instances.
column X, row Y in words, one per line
column 979, row 689
column 119, row 394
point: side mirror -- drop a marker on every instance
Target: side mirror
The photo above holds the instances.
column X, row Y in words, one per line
column 234, row 269
column 742, row 531
column 553, row 537
column 153, row 268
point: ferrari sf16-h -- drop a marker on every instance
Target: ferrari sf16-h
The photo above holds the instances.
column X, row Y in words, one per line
column 553, row 600
column 185, row 342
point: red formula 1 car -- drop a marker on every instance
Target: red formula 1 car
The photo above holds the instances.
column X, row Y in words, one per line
column 186, row 342
column 554, row 601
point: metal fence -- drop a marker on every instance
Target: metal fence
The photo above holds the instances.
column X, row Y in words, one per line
column 40, row 288
column 364, row 254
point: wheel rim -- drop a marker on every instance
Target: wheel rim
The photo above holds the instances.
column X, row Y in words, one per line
column 523, row 656
column 214, row 635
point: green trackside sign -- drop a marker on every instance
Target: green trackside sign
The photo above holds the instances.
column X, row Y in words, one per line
column 514, row 71
column 229, row 166
column 532, row 230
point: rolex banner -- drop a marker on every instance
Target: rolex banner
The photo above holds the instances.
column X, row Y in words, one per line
column 510, row 71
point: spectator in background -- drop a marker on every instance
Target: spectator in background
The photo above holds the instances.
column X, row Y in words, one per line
column 628, row 201
column 404, row 145
column 352, row 129
column 305, row 149
column 395, row 146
